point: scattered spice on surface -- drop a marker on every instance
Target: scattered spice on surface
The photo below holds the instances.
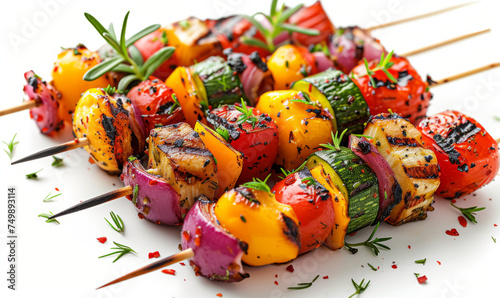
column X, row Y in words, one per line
column 394, row 266
column 462, row 221
column 290, row 268
column 102, row 239
column 169, row 271
column 155, row 254
column 276, row 282
column 452, row 232
column 325, row 277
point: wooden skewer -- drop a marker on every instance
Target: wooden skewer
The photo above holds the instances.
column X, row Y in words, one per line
column 107, row 197
column 185, row 254
column 443, row 43
column 463, row 74
column 26, row 105
column 425, row 15
column 76, row 143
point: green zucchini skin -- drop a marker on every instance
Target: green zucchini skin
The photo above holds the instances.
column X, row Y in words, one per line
column 348, row 104
column 222, row 84
column 361, row 184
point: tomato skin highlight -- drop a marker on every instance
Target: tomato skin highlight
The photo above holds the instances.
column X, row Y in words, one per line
column 409, row 97
column 258, row 143
column 312, row 204
column 465, row 152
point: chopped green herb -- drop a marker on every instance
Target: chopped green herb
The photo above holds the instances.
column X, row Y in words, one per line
column 417, row 275
column 175, row 105
column 10, row 146
column 469, row 212
column 373, row 268
column 359, row 288
column 120, row 227
column 223, row 133
column 184, row 24
column 258, row 184
column 33, row 175
column 243, row 219
column 164, row 38
column 120, row 250
column 494, row 239
column 304, row 285
column 46, row 215
column 49, row 198
column 109, row 90
column 422, row 261
column 371, row 244
column 57, row 161
column 362, row 136
column 309, row 181
column 307, row 100
column 248, row 115
column 336, row 140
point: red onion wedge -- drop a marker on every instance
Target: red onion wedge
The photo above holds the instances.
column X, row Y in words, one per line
column 390, row 192
column 153, row 196
column 46, row 114
column 322, row 61
column 217, row 253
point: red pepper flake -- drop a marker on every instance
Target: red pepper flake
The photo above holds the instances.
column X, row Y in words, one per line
column 462, row 221
column 186, row 235
column 91, row 160
column 169, row 271
column 452, row 232
column 102, row 239
column 76, row 140
column 57, row 189
column 325, row 277
column 153, row 182
column 197, row 237
column 219, row 294
column 439, row 262
column 494, row 225
column 394, row 266
column 182, row 264
column 409, row 247
column 155, row 254
column 276, row 276
column 422, row 279
column 290, row 268
column 276, row 282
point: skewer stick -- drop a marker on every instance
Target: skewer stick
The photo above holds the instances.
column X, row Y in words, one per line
column 107, row 197
column 443, row 43
column 425, row 15
column 185, row 254
column 463, row 74
column 76, row 143
column 26, row 105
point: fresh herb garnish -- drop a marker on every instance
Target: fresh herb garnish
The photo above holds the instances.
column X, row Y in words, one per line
column 422, row 261
column 308, row 181
column 307, row 100
column 304, row 285
column 10, row 146
column 373, row 268
column 33, row 175
column 336, row 140
column 46, row 215
column 359, row 288
column 417, row 275
column 109, row 90
column 223, row 133
column 175, row 105
column 384, row 65
column 132, row 63
column 258, row 184
column 120, row 227
column 57, row 161
column 120, row 250
column 362, row 136
column 247, row 112
column 277, row 19
column 184, row 24
column 321, row 48
column 49, row 198
column 494, row 239
column 496, row 118
column 371, row 244
column 469, row 212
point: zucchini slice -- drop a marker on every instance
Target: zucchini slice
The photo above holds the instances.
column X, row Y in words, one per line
column 355, row 179
column 338, row 93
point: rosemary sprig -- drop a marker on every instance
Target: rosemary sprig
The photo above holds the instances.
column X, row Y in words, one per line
column 247, row 112
column 109, row 90
column 359, row 288
column 384, row 65
column 137, row 69
column 57, row 161
column 120, row 227
column 371, row 266
column 469, row 212
column 336, row 140
column 10, row 146
column 307, row 100
column 277, row 19
column 308, row 181
column 223, row 133
column 49, row 198
column 33, row 175
column 371, row 244
column 258, row 184
column 304, row 285
column 120, row 250
column 175, row 105
column 46, row 215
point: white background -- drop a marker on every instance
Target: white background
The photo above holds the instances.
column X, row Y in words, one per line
column 61, row 260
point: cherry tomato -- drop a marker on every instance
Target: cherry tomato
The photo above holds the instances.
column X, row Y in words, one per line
column 466, row 153
column 312, row 204
column 156, row 104
column 409, row 96
column 256, row 137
